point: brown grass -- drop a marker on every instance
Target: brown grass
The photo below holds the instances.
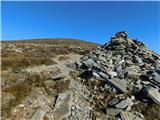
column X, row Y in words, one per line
column 20, row 92
column 11, row 77
column 38, row 55
column 22, row 62
column 61, row 58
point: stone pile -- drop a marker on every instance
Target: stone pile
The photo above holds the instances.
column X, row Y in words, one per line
column 127, row 68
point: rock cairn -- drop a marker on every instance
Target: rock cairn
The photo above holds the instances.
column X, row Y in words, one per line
column 125, row 69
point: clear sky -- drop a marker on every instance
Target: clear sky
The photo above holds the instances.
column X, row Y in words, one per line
column 91, row 21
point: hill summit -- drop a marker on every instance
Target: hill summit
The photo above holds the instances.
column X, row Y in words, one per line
column 127, row 71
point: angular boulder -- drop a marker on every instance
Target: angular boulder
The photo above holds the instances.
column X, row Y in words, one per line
column 118, row 84
column 124, row 103
column 89, row 63
column 153, row 94
column 62, row 108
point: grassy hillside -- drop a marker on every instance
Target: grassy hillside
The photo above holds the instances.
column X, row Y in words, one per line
column 19, row 55
column 24, row 53
column 56, row 41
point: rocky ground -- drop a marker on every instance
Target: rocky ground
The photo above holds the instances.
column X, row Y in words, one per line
column 117, row 81
column 37, row 71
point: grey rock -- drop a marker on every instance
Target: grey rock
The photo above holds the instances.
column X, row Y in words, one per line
column 96, row 67
column 120, row 52
column 109, row 55
column 89, row 63
column 58, row 77
column 102, row 58
column 124, row 103
column 119, row 84
column 121, row 34
column 120, row 62
column 122, row 73
column 137, row 88
column 131, row 116
column 96, row 75
column 76, row 47
column 153, row 94
column 112, row 74
column 149, row 60
column 155, row 74
column 119, row 69
column 156, row 80
column 103, row 75
column 117, row 41
column 113, row 111
column 106, row 86
column 155, row 56
column 138, row 60
column 114, row 101
column 79, row 64
column 63, row 105
column 145, row 82
column 38, row 115
column 133, row 70
column 120, row 47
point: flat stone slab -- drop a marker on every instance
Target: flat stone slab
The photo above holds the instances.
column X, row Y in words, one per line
column 157, row 79
column 154, row 94
column 124, row 103
column 59, row 77
column 113, row 111
column 89, row 63
column 114, row 101
column 118, row 84
column 103, row 75
column 63, row 105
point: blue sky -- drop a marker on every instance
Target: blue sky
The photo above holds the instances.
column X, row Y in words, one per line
column 91, row 21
